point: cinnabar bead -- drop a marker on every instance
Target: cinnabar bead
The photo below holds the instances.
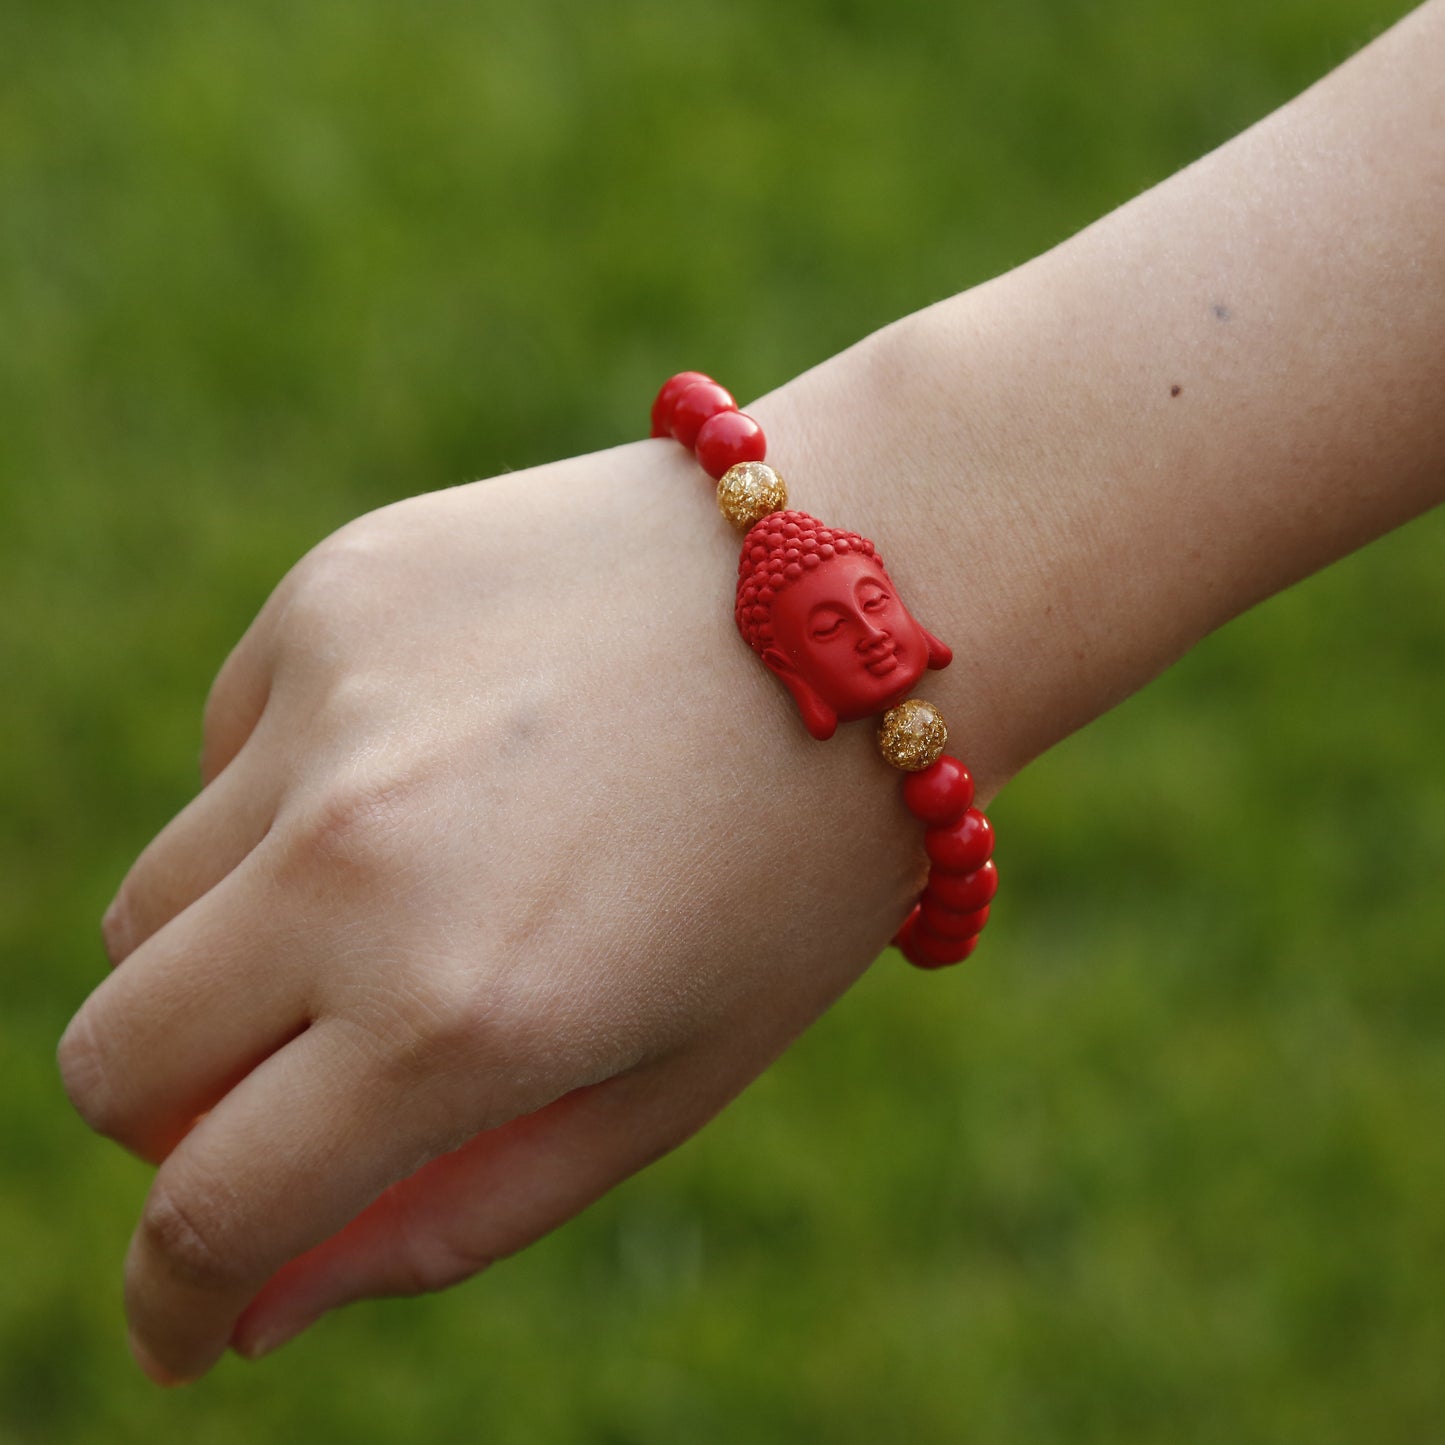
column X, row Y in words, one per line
column 962, row 846
column 667, row 397
column 963, row 892
column 727, row 438
column 925, row 950
column 951, row 923
column 941, row 794
column 903, row 932
column 703, row 399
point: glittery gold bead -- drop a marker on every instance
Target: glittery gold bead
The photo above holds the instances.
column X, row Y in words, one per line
column 749, row 491
column 912, row 735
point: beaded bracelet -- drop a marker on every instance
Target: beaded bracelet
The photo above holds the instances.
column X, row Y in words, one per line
column 816, row 605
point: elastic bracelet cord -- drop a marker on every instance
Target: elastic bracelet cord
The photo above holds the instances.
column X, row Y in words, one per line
column 816, row 605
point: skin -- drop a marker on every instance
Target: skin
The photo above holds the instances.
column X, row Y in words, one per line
column 386, row 1008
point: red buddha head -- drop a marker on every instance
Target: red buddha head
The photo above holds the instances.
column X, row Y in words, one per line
column 816, row 605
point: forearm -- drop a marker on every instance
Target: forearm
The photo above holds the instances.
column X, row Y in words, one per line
column 514, row 865
column 1085, row 466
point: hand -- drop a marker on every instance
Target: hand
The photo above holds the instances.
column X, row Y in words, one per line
column 511, row 867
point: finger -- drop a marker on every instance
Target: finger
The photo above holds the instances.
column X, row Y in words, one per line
column 497, row 1194
column 300, row 1146
column 192, row 1012
column 236, row 701
column 203, row 843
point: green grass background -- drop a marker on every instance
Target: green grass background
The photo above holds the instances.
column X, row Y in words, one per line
column 1164, row 1163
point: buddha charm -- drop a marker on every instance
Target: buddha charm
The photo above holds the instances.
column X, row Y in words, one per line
column 816, row 605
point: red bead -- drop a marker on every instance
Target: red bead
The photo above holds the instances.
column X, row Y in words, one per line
column 949, row 923
column 667, row 397
column 703, row 399
column 728, row 438
column 925, row 950
column 963, row 846
column 903, row 932
column 963, row 892
column 939, row 795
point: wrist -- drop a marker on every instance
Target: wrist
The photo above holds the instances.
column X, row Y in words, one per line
column 1080, row 469
column 948, row 438
column 816, row 604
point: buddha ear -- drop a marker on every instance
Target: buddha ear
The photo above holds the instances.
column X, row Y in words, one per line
column 940, row 654
column 820, row 719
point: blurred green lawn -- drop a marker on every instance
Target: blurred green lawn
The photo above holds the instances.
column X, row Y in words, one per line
column 1165, row 1163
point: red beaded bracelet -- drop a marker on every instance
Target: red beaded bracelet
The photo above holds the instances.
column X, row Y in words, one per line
column 815, row 603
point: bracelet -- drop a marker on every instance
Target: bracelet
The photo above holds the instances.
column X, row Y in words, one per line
column 816, row 605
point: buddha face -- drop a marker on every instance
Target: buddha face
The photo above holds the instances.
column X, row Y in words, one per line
column 845, row 645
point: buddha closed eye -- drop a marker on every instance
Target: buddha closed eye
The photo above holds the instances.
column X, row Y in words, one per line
column 816, row 604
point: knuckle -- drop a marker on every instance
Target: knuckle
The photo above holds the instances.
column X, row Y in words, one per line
column 115, row 926
column 355, row 827
column 461, row 1028
column 357, row 696
column 334, row 576
column 447, row 1051
column 429, row 1263
column 214, row 710
column 189, row 1246
column 218, row 705
column 84, row 1075
column 225, row 708
column 140, row 905
column 442, row 1027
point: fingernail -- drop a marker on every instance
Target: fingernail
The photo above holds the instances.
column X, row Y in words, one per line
column 264, row 1341
column 253, row 1349
column 146, row 1361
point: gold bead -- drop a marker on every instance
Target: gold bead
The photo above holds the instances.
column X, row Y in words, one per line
column 749, row 491
column 912, row 735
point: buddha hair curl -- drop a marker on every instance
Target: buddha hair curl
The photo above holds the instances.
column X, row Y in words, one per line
column 777, row 550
